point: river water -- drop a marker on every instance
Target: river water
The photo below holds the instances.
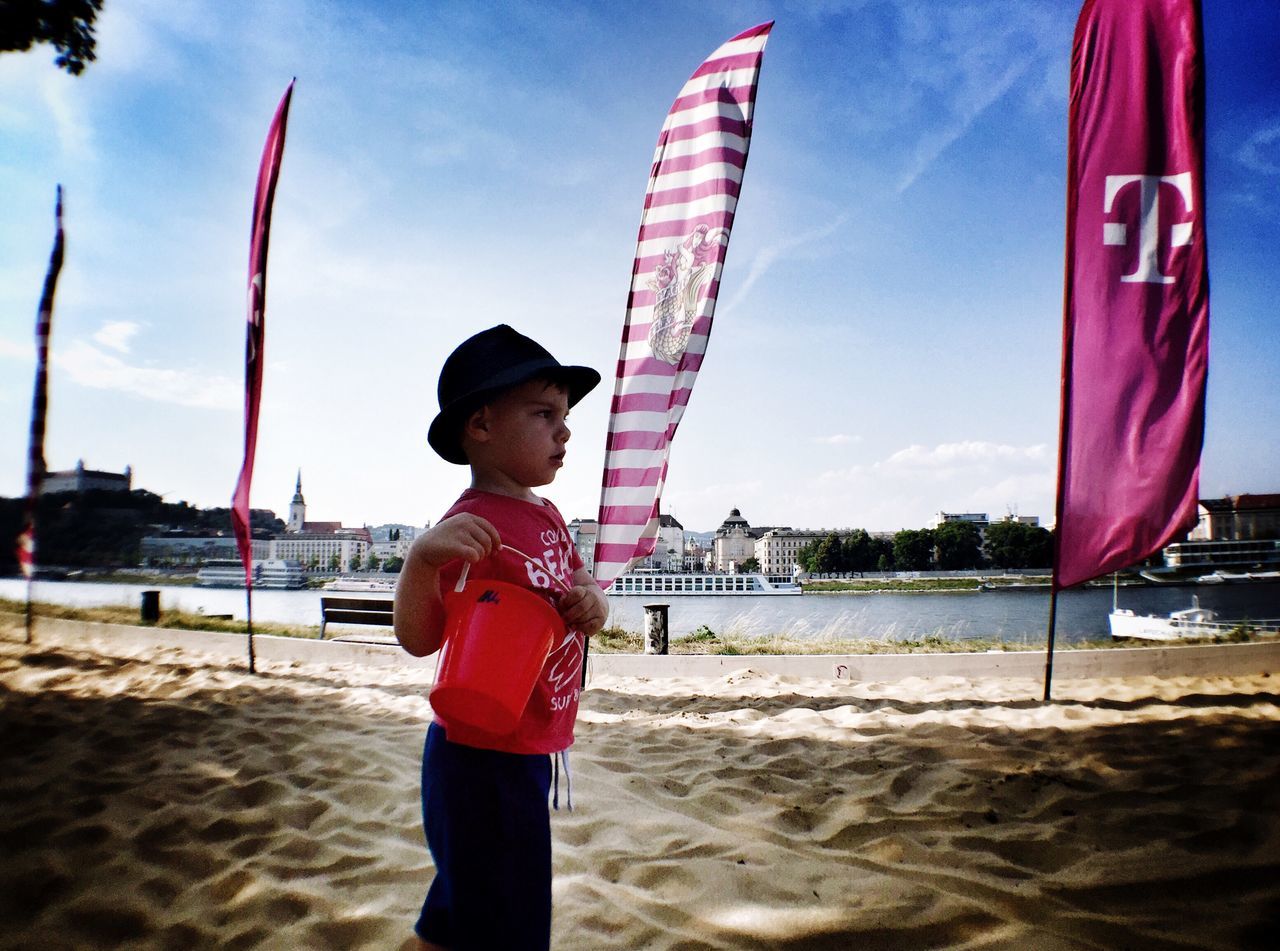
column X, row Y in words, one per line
column 1013, row 615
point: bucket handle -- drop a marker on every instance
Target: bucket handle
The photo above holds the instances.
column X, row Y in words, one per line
column 466, row 568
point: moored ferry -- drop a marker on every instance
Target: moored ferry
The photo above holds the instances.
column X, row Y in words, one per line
column 229, row 573
column 377, row 585
column 1190, row 623
column 660, row 583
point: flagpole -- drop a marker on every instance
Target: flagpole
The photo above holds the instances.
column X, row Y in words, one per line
column 1064, row 407
column 1064, row 425
column 248, row 602
column 1048, row 657
column 29, row 618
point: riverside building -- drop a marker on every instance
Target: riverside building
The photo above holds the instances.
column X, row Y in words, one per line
column 583, row 532
column 1238, row 518
column 778, row 550
column 735, row 542
column 181, row 551
column 668, row 550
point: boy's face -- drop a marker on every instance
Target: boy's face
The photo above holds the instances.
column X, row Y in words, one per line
column 520, row 437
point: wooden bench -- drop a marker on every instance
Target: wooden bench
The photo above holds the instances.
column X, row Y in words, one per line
column 374, row 611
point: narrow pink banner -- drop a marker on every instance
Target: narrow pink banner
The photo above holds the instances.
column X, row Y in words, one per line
column 259, row 237
column 26, row 544
column 1136, row 315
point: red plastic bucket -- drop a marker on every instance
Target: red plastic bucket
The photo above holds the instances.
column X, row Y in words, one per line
column 496, row 640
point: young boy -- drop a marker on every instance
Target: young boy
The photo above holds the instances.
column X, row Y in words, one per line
column 503, row 405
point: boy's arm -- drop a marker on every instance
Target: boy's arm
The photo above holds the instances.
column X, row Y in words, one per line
column 584, row 606
column 419, row 607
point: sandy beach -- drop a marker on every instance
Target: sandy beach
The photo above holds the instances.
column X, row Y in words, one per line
column 169, row 799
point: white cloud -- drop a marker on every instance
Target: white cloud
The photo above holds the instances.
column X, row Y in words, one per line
column 75, row 134
column 1261, row 152
column 907, row 487
column 16, row 351
column 962, row 60
column 768, row 256
column 837, row 439
column 969, row 454
column 116, row 334
column 966, row 112
column 91, row 367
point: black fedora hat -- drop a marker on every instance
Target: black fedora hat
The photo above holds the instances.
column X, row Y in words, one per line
column 482, row 366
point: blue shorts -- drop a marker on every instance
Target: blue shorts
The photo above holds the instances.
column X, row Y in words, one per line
column 489, row 832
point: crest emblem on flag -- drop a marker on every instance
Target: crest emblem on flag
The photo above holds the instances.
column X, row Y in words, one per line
column 678, row 283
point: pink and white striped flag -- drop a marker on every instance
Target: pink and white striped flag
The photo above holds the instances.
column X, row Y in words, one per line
column 684, row 232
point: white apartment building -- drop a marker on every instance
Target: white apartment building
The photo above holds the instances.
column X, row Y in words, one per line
column 979, row 519
column 778, row 549
column 398, row 544
column 319, row 549
column 392, row 549
column 583, row 532
column 668, row 549
column 1238, row 518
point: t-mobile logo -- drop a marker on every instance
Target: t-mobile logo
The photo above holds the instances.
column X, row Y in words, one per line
column 1117, row 233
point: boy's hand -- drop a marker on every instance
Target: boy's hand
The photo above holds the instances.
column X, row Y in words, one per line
column 464, row 536
column 584, row 607
column 419, row 608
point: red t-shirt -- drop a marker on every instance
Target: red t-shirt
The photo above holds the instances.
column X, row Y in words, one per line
column 538, row 530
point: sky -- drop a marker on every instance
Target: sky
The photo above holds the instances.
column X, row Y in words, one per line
column 887, row 342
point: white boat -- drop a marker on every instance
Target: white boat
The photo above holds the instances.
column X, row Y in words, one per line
column 1188, row 624
column 1237, row 577
column 656, row 583
column 278, row 573
column 376, row 585
column 229, row 573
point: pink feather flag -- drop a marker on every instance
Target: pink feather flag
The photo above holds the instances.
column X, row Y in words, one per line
column 684, row 232
column 259, row 237
column 1136, row 309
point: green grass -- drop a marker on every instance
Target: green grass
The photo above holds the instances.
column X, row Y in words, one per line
column 704, row 640
column 169, row 619
column 132, row 577
column 615, row 640
column 868, row 585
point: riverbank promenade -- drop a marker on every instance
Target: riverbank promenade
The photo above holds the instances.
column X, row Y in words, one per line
column 381, row 650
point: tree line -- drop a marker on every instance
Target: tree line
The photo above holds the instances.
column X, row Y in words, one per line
column 101, row 529
column 952, row 546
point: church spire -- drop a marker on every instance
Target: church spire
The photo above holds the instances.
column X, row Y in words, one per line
column 297, row 508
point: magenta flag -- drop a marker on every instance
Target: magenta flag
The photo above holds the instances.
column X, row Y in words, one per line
column 684, row 232
column 259, row 234
column 1136, row 316
column 26, row 546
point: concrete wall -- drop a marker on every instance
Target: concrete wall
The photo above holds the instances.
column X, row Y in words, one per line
column 1215, row 660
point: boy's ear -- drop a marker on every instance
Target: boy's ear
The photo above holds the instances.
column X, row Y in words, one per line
column 476, row 426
